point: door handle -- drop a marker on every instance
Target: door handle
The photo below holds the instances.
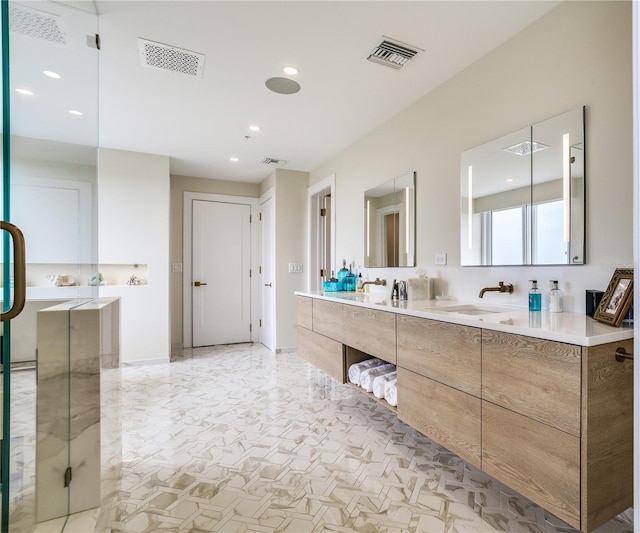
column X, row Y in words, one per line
column 198, row 283
column 19, row 271
column 267, row 284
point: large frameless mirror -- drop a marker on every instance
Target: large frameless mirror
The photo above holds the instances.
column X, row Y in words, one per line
column 390, row 223
column 522, row 196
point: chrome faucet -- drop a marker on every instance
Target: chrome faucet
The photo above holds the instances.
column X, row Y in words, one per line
column 502, row 287
column 378, row 281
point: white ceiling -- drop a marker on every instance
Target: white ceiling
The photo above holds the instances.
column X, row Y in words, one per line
column 202, row 122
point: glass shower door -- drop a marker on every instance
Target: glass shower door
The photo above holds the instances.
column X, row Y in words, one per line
column 49, row 190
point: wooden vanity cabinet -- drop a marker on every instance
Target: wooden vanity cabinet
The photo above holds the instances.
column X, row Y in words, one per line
column 320, row 350
column 370, row 331
column 447, row 353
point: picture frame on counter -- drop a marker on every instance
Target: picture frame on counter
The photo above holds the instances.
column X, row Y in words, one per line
column 617, row 298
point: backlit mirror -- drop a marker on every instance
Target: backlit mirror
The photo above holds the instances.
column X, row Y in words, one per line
column 389, row 220
column 522, row 196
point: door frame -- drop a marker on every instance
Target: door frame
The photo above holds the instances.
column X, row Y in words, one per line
column 271, row 343
column 187, row 251
column 316, row 191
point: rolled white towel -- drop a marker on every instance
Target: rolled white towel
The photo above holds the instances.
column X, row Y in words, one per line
column 391, row 392
column 367, row 376
column 380, row 381
column 356, row 369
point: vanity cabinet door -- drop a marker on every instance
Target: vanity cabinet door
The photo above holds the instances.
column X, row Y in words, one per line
column 446, row 415
column 538, row 378
column 540, row 462
column 371, row 331
column 327, row 319
column 323, row 352
column 305, row 312
column 448, row 353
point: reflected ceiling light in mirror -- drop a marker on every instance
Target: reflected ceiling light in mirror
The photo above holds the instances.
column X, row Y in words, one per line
column 470, row 207
column 566, row 185
column 526, row 148
column 368, row 227
column 254, row 128
column 75, row 112
column 292, row 71
column 23, row 91
column 51, row 74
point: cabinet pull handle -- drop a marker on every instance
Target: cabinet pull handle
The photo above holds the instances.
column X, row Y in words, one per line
column 621, row 355
column 19, row 271
column 198, row 283
column 267, row 284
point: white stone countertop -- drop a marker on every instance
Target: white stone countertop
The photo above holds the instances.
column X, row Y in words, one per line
column 572, row 328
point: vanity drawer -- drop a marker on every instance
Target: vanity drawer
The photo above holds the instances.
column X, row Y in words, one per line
column 446, row 415
column 540, row 462
column 370, row 331
column 538, row 378
column 323, row 352
column 327, row 319
column 305, row 312
column 448, row 353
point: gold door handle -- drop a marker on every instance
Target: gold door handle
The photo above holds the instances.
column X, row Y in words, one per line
column 198, row 283
column 19, row 271
column 267, row 284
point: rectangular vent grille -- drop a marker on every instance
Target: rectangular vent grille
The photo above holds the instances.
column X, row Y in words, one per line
column 38, row 24
column 169, row 58
column 526, row 148
column 392, row 53
column 272, row 161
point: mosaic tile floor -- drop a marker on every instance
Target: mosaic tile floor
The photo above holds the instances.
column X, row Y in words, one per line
column 239, row 439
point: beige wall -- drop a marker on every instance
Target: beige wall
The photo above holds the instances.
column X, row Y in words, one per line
column 180, row 184
column 578, row 54
column 291, row 194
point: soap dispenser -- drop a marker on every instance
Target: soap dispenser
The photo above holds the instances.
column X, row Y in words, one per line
column 555, row 298
column 535, row 296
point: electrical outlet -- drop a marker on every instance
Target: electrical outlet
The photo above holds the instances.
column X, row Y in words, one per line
column 295, row 268
column 441, row 259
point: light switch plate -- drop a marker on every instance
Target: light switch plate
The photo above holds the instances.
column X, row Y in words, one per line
column 176, row 267
column 441, row 259
column 295, row 268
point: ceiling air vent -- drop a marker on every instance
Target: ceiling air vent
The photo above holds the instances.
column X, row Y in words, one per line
column 273, row 161
column 38, row 24
column 392, row 53
column 169, row 58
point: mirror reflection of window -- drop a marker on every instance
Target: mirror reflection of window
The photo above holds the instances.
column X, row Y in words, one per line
column 508, row 236
column 392, row 238
column 548, row 244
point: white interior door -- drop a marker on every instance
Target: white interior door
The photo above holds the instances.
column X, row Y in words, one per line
column 267, row 328
column 221, row 266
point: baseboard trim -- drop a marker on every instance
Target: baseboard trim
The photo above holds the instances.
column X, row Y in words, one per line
column 141, row 362
column 291, row 349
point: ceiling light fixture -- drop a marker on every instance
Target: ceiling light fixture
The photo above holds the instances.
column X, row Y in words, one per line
column 75, row 112
column 292, row 71
column 51, row 74
column 26, row 92
column 234, row 159
column 254, row 128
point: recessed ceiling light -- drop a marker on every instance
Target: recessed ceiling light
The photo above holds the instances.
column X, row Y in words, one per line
column 292, row 71
column 51, row 74
column 26, row 92
column 254, row 128
column 75, row 112
column 234, row 159
column 509, row 180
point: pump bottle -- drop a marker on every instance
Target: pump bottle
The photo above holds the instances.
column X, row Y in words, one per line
column 555, row 298
column 535, row 296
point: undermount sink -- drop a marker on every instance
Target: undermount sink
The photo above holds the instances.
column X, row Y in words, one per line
column 473, row 309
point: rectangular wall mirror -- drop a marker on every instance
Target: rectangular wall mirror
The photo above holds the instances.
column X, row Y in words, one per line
column 390, row 223
column 522, row 196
